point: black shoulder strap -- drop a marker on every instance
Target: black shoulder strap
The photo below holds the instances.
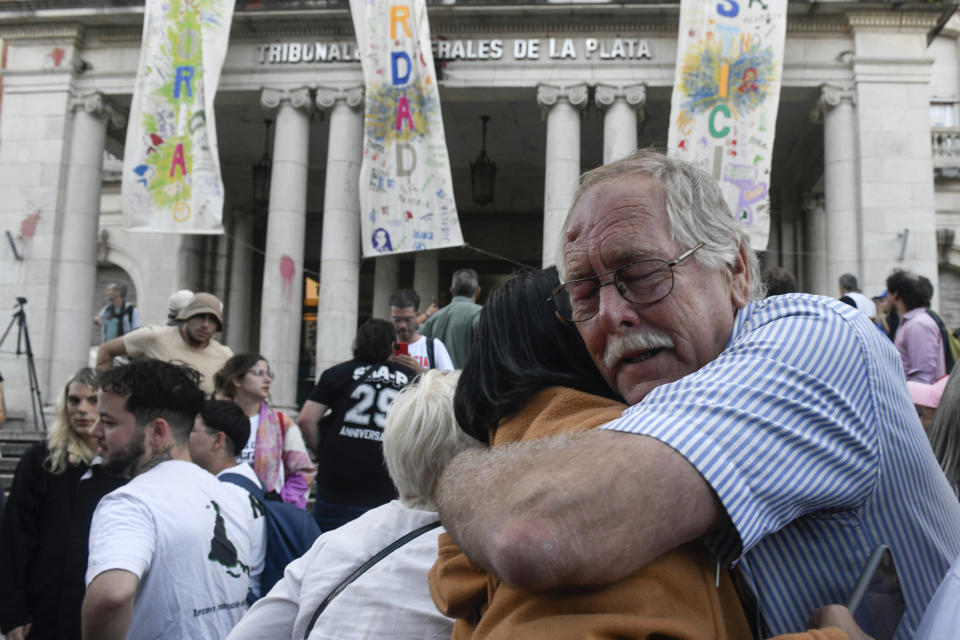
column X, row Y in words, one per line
column 430, row 356
column 243, row 482
column 396, row 544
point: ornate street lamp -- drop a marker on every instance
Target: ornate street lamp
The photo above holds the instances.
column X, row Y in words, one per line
column 483, row 171
column 262, row 170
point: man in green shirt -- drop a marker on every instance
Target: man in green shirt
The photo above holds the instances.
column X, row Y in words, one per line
column 455, row 323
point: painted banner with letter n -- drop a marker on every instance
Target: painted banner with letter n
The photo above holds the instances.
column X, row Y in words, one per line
column 726, row 94
column 171, row 168
column 406, row 190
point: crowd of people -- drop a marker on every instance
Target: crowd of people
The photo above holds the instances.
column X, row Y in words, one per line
column 696, row 451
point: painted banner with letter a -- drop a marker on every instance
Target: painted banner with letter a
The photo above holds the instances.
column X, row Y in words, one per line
column 725, row 99
column 171, row 169
column 406, row 191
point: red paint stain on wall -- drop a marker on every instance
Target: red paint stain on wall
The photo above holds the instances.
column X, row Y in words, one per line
column 288, row 269
column 29, row 225
column 57, row 54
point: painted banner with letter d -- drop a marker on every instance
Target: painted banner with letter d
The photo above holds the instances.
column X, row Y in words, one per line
column 725, row 98
column 406, row 190
column 171, row 169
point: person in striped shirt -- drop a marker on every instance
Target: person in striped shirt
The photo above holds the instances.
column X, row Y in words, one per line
column 778, row 431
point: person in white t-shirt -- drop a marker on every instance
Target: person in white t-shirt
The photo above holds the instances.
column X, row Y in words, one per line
column 404, row 307
column 170, row 551
column 219, row 432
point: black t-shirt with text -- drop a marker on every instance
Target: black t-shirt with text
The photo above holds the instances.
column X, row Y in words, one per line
column 350, row 467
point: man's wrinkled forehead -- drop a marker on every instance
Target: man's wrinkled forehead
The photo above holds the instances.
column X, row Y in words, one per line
column 633, row 200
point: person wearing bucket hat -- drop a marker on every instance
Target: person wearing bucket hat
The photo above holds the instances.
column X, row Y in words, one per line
column 190, row 342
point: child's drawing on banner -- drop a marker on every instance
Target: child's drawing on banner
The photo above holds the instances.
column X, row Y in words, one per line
column 725, row 99
column 406, row 190
column 171, row 173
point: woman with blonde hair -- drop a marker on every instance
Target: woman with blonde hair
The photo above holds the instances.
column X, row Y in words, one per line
column 275, row 448
column 368, row 578
column 43, row 538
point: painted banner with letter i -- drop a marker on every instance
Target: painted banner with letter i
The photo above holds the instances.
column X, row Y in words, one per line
column 171, row 168
column 406, row 190
column 726, row 94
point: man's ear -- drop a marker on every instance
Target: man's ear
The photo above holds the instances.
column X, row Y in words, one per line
column 219, row 441
column 157, row 432
column 740, row 284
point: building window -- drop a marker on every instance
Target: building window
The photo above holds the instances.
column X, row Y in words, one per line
column 943, row 115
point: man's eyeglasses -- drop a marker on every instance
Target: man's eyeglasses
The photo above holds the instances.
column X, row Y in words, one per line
column 640, row 282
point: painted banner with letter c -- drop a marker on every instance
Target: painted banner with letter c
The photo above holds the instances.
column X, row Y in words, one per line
column 726, row 94
column 171, row 169
column 406, row 190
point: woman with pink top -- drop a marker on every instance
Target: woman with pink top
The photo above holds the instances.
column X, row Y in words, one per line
column 275, row 448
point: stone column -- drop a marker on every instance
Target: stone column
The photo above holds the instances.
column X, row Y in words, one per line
column 386, row 280
column 841, row 203
column 623, row 107
column 77, row 261
column 241, row 275
column 815, row 249
column 426, row 276
column 282, row 300
column 339, row 292
column 891, row 72
column 562, row 107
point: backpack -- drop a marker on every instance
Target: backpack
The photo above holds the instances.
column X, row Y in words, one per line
column 290, row 531
column 951, row 344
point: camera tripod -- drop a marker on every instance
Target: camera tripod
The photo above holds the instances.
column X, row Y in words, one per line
column 23, row 346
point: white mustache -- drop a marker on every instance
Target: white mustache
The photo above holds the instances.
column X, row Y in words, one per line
column 621, row 344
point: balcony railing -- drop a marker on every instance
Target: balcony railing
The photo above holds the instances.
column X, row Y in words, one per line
column 945, row 143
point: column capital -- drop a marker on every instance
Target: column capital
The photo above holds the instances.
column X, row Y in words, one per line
column 326, row 97
column 548, row 95
column 96, row 104
column 634, row 95
column 297, row 98
column 812, row 202
column 831, row 96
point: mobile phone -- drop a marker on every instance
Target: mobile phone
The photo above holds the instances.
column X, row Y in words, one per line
column 876, row 601
column 401, row 349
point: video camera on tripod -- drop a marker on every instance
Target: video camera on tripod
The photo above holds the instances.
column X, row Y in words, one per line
column 24, row 347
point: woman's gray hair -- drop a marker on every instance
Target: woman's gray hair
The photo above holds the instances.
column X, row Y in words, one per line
column 944, row 433
column 421, row 437
column 696, row 210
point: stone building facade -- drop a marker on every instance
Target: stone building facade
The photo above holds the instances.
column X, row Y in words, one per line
column 866, row 169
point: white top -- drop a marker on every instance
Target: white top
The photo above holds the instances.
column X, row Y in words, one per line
column 867, row 306
column 941, row 620
column 246, row 455
column 258, row 531
column 185, row 535
column 391, row 600
column 418, row 349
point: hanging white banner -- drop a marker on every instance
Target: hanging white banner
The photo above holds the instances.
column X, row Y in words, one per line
column 406, row 191
column 725, row 98
column 171, row 169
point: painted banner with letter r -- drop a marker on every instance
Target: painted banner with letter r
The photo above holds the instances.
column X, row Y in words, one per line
column 406, row 190
column 171, row 168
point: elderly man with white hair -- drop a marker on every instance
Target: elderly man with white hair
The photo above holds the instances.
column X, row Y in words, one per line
column 778, row 431
column 390, row 599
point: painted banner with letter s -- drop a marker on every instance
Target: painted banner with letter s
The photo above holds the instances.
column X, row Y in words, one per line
column 726, row 94
column 171, row 169
column 406, row 190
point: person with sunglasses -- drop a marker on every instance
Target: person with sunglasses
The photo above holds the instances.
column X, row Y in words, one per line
column 778, row 432
column 275, row 448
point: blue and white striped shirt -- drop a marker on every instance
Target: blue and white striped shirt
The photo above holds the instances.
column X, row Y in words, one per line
column 804, row 428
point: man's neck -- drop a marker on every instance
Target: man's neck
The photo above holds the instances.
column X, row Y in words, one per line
column 221, row 464
column 160, row 455
column 416, row 336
